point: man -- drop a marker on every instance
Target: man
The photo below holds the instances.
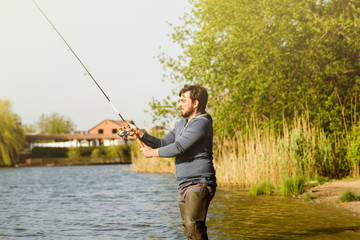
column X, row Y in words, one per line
column 191, row 143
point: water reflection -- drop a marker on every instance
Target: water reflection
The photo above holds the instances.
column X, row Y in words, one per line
column 237, row 215
column 111, row 202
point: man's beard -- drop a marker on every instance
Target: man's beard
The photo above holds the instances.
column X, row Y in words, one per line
column 188, row 113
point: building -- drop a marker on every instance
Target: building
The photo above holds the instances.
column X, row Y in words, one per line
column 108, row 127
column 104, row 133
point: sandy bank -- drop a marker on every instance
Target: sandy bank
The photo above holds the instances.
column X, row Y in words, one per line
column 330, row 192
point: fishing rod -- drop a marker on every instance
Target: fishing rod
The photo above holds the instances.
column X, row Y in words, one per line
column 122, row 134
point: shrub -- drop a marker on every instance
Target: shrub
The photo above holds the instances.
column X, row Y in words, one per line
column 293, row 186
column 74, row 153
column 113, row 152
column 262, row 189
column 96, row 153
column 49, row 152
column 308, row 197
column 348, row 196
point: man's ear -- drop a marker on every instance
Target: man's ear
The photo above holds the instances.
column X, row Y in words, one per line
column 196, row 103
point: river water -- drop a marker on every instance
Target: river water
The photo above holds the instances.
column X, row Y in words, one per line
column 112, row 202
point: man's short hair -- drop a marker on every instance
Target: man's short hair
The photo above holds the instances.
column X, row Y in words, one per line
column 197, row 92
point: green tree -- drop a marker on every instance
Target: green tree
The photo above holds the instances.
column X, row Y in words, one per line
column 268, row 60
column 12, row 137
column 29, row 128
column 55, row 124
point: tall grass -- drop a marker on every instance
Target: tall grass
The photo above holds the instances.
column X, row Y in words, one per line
column 261, row 155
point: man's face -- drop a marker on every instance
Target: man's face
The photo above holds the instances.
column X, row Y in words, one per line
column 186, row 105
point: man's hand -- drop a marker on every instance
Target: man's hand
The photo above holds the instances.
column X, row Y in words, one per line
column 149, row 152
column 132, row 129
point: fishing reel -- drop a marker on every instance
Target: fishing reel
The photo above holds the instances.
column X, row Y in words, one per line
column 123, row 134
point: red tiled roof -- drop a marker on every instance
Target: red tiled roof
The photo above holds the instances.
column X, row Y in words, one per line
column 118, row 122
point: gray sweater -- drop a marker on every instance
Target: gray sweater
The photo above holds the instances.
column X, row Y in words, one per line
column 191, row 143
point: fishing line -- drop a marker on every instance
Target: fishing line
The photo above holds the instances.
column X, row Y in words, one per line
column 122, row 134
column 82, row 64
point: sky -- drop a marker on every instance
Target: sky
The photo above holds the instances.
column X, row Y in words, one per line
column 117, row 40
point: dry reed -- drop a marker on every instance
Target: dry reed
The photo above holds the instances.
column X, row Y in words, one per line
column 257, row 156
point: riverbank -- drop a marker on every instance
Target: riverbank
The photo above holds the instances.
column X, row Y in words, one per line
column 33, row 162
column 330, row 192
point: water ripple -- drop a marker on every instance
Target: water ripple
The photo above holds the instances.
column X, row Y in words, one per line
column 111, row 202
